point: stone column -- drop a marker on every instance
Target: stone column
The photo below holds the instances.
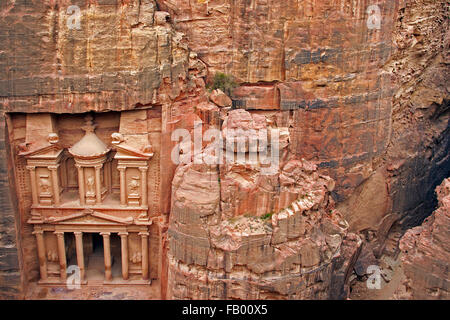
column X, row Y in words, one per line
column 124, row 247
column 81, row 184
column 62, row 255
column 55, row 183
column 34, row 192
column 107, row 254
column 123, row 191
column 80, row 253
column 98, row 183
column 108, row 178
column 144, row 194
column 41, row 253
column 144, row 245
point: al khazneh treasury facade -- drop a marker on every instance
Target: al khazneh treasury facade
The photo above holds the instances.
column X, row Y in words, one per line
column 89, row 200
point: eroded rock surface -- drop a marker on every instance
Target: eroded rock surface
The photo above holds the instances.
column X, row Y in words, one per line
column 426, row 253
column 236, row 233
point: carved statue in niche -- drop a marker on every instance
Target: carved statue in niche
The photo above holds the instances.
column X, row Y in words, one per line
column 136, row 257
column 52, row 256
column 44, row 184
column 134, row 185
column 90, row 182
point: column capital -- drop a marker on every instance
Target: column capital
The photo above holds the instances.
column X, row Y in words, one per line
column 121, row 168
column 144, row 234
column 105, row 234
column 31, row 168
column 143, row 169
column 38, row 232
column 78, row 166
column 59, row 233
column 53, row 167
column 98, row 166
column 123, row 234
column 78, row 233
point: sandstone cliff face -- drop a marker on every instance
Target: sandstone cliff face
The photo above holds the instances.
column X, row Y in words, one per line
column 417, row 157
column 426, row 253
column 400, row 194
column 316, row 62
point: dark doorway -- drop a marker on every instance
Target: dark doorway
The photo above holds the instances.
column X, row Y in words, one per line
column 95, row 259
column 71, row 253
column 97, row 243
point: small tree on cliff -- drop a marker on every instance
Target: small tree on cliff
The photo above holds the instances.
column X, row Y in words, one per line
column 223, row 82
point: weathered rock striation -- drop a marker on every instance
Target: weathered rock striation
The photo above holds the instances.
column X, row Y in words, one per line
column 400, row 194
column 317, row 63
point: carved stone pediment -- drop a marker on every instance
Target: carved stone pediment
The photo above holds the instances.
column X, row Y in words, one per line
column 48, row 152
column 88, row 217
column 127, row 152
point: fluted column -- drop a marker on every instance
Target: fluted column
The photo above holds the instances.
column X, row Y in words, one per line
column 124, row 248
column 62, row 255
column 144, row 246
column 34, row 192
column 80, row 253
column 41, row 253
column 81, row 184
column 107, row 254
column 55, row 183
column 144, row 194
column 123, row 191
column 98, row 190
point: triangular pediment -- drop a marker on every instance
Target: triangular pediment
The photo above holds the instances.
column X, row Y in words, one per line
column 127, row 152
column 88, row 217
column 46, row 152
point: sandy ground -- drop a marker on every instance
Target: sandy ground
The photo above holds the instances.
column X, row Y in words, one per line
column 137, row 292
column 392, row 278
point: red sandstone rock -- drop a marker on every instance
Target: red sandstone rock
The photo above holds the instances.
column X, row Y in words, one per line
column 426, row 252
column 257, row 97
column 220, row 98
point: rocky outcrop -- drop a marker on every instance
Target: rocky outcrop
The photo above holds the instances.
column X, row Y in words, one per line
column 426, row 253
column 238, row 233
column 220, row 98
